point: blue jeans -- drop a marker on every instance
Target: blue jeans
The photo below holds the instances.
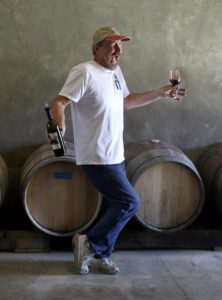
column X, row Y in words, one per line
column 120, row 203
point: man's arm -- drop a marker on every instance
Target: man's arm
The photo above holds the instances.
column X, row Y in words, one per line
column 58, row 107
column 141, row 99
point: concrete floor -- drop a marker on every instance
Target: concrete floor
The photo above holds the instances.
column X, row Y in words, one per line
column 147, row 274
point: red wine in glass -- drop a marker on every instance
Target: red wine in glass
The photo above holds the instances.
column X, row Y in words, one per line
column 174, row 82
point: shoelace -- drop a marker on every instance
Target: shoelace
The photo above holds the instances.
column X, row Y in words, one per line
column 107, row 261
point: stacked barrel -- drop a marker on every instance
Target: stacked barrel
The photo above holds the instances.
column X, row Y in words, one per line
column 59, row 199
column 3, row 179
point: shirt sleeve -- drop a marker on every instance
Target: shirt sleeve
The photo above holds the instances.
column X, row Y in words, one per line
column 75, row 84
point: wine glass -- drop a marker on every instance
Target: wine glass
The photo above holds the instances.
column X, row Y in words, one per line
column 175, row 77
column 175, row 80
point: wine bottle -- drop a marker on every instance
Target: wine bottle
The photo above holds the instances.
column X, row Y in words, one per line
column 54, row 134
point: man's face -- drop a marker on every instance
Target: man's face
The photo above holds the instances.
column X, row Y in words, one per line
column 108, row 53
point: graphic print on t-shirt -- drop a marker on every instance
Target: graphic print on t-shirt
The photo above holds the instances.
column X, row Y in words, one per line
column 117, row 83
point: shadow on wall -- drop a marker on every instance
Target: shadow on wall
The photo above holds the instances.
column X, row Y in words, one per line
column 195, row 153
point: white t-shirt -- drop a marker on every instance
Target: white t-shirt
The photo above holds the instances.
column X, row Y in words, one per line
column 97, row 96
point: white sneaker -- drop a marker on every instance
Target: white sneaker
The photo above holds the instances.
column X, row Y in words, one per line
column 82, row 253
column 106, row 265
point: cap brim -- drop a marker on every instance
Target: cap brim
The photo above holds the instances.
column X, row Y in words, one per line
column 117, row 38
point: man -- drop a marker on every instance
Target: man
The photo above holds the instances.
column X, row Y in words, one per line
column 98, row 94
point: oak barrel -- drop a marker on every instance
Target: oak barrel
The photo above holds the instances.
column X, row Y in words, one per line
column 57, row 195
column 209, row 166
column 3, row 179
column 168, row 183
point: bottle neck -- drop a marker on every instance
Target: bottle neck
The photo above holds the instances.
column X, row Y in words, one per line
column 49, row 113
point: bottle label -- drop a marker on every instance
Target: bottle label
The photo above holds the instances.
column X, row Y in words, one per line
column 54, row 141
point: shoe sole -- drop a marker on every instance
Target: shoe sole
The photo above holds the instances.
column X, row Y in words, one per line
column 97, row 267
